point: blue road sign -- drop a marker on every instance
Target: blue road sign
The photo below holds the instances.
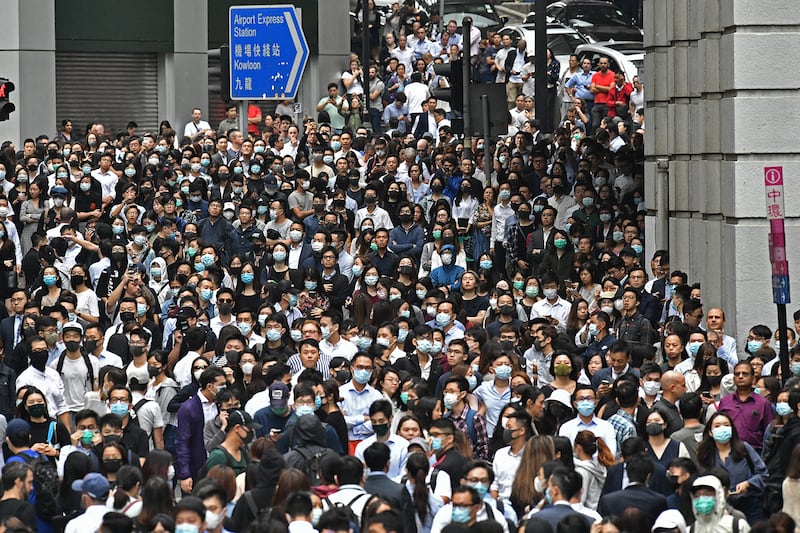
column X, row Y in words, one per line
column 780, row 289
column 268, row 52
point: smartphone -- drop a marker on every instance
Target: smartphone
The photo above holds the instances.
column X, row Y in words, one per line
column 605, row 382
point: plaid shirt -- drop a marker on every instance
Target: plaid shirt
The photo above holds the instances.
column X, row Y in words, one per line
column 480, row 448
column 624, row 426
column 636, row 328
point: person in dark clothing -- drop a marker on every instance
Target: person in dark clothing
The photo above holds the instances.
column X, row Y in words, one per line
column 17, row 484
column 260, row 496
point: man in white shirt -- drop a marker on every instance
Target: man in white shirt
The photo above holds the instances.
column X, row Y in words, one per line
column 380, row 416
column 46, row 380
column 107, row 177
column 583, row 400
column 196, row 126
column 94, row 489
column 552, row 306
column 333, row 344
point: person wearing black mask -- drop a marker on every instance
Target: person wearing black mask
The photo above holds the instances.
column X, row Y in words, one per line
column 407, row 238
column 232, row 452
column 78, row 370
column 507, row 310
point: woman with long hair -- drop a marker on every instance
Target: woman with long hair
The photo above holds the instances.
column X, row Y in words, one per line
column 248, row 291
column 126, row 496
column 721, row 447
column 662, row 448
column 47, row 433
column 592, row 470
column 157, row 498
column 426, row 503
column 537, row 451
column 578, row 317
column 291, row 480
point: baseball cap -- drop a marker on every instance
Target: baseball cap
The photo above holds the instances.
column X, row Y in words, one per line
column 58, row 190
column 242, row 418
column 93, row 484
column 72, row 326
column 17, row 426
column 278, row 395
column 422, row 443
column 229, row 206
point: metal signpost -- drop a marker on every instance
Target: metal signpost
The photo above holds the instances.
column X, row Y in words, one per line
column 773, row 188
column 268, row 52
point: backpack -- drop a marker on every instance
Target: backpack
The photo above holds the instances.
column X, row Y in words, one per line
column 473, row 435
column 45, row 482
column 86, row 361
column 312, row 464
column 348, row 507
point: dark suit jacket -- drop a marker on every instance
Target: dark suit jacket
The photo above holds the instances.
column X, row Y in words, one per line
column 191, row 448
column 605, row 374
column 554, row 513
column 648, row 501
column 658, row 481
column 650, row 308
column 659, row 288
column 8, row 333
column 380, row 484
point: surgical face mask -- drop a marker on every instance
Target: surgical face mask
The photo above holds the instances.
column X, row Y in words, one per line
column 692, row 347
column 651, row 388
column 186, row 528
column 783, row 409
column 502, row 372
column 443, row 319
column 605, row 217
column 450, row 399
column 303, row 410
column 213, row 519
column 538, row 485
column 421, row 294
column 371, row 280
column 722, row 434
column 362, row 376
column 586, row 407
column 550, row 293
column 704, row 505
column 753, row 345
column 119, row 408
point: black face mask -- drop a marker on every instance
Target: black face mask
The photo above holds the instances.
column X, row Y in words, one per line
column 153, row 371
column 119, row 257
column 76, row 280
column 343, row 376
column 90, row 345
column 406, row 270
column 225, row 308
column 127, row 316
column 72, row 346
column 233, row 356
column 182, row 279
column 112, row 465
column 39, row 359
column 506, row 310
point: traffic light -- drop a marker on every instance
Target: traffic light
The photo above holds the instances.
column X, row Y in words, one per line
column 6, row 107
column 454, row 94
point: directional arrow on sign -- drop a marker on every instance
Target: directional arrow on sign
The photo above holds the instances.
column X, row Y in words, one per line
column 268, row 52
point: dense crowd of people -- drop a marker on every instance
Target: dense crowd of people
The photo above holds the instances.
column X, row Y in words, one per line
column 328, row 327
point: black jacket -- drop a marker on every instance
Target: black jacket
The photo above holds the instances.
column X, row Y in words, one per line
column 379, row 483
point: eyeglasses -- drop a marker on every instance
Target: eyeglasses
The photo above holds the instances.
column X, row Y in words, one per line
column 199, row 367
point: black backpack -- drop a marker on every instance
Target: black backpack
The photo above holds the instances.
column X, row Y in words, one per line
column 86, row 361
column 348, row 508
column 45, row 484
column 312, row 463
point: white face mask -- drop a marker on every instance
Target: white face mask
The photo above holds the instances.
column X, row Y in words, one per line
column 197, row 374
column 538, row 485
column 213, row 519
column 170, row 473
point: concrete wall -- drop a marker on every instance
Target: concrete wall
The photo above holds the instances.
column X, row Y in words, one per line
column 27, row 49
column 722, row 103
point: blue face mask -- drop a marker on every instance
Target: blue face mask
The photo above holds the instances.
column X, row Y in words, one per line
column 796, row 368
column 357, row 270
column 247, row 277
column 502, row 372
column 119, row 408
column 442, row 319
column 436, row 348
column 586, row 407
column 296, row 335
column 436, row 444
column 404, row 313
column 207, row 259
column 753, row 346
column 303, row 410
column 317, row 401
column 199, row 267
column 692, row 347
column 49, row 280
column 722, row 434
column 117, row 230
column 402, row 335
column 548, row 497
column 783, row 409
column 424, row 345
column 205, row 294
column 310, row 285
column 273, row 335
column 487, row 265
column 473, row 382
column 364, row 343
column 480, row 488
column 244, row 327
column 461, row 515
column 362, row 376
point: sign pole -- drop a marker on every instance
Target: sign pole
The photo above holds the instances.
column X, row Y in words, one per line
column 773, row 188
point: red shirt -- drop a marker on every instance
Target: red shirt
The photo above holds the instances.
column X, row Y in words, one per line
column 619, row 94
column 253, row 111
column 605, row 80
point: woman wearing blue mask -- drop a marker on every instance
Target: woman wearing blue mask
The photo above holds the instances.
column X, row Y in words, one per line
column 721, row 447
column 248, row 290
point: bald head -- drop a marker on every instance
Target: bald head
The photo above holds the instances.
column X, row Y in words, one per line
column 673, row 385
